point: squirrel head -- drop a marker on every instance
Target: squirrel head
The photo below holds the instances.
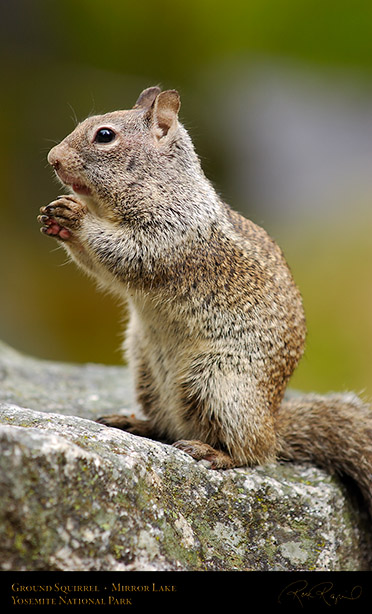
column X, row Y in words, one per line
column 113, row 159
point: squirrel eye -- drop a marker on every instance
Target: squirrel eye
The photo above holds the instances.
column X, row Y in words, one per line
column 104, row 135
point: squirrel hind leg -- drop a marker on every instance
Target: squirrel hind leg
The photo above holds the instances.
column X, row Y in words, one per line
column 202, row 451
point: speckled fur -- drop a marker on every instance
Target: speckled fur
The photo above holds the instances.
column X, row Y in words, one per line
column 217, row 324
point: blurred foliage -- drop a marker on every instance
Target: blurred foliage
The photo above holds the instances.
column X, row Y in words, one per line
column 333, row 268
column 63, row 60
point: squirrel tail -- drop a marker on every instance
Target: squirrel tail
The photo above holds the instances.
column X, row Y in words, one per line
column 333, row 431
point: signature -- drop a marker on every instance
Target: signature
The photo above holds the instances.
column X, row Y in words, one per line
column 301, row 591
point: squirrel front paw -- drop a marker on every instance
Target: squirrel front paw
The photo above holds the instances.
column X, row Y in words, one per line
column 61, row 217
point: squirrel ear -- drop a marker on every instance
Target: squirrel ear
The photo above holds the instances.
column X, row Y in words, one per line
column 164, row 112
column 147, row 97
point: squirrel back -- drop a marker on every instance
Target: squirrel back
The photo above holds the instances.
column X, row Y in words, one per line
column 217, row 324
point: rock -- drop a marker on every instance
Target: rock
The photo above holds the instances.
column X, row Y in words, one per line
column 82, row 390
column 77, row 495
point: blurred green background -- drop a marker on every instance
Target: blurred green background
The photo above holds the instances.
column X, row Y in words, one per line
column 277, row 96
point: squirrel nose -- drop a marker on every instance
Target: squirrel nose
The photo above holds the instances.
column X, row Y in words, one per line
column 53, row 159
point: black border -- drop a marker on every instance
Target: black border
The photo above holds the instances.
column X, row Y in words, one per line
column 200, row 591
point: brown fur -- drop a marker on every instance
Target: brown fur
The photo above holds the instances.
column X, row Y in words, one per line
column 217, row 324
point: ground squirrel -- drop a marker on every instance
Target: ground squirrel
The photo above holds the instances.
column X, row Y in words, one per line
column 216, row 321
